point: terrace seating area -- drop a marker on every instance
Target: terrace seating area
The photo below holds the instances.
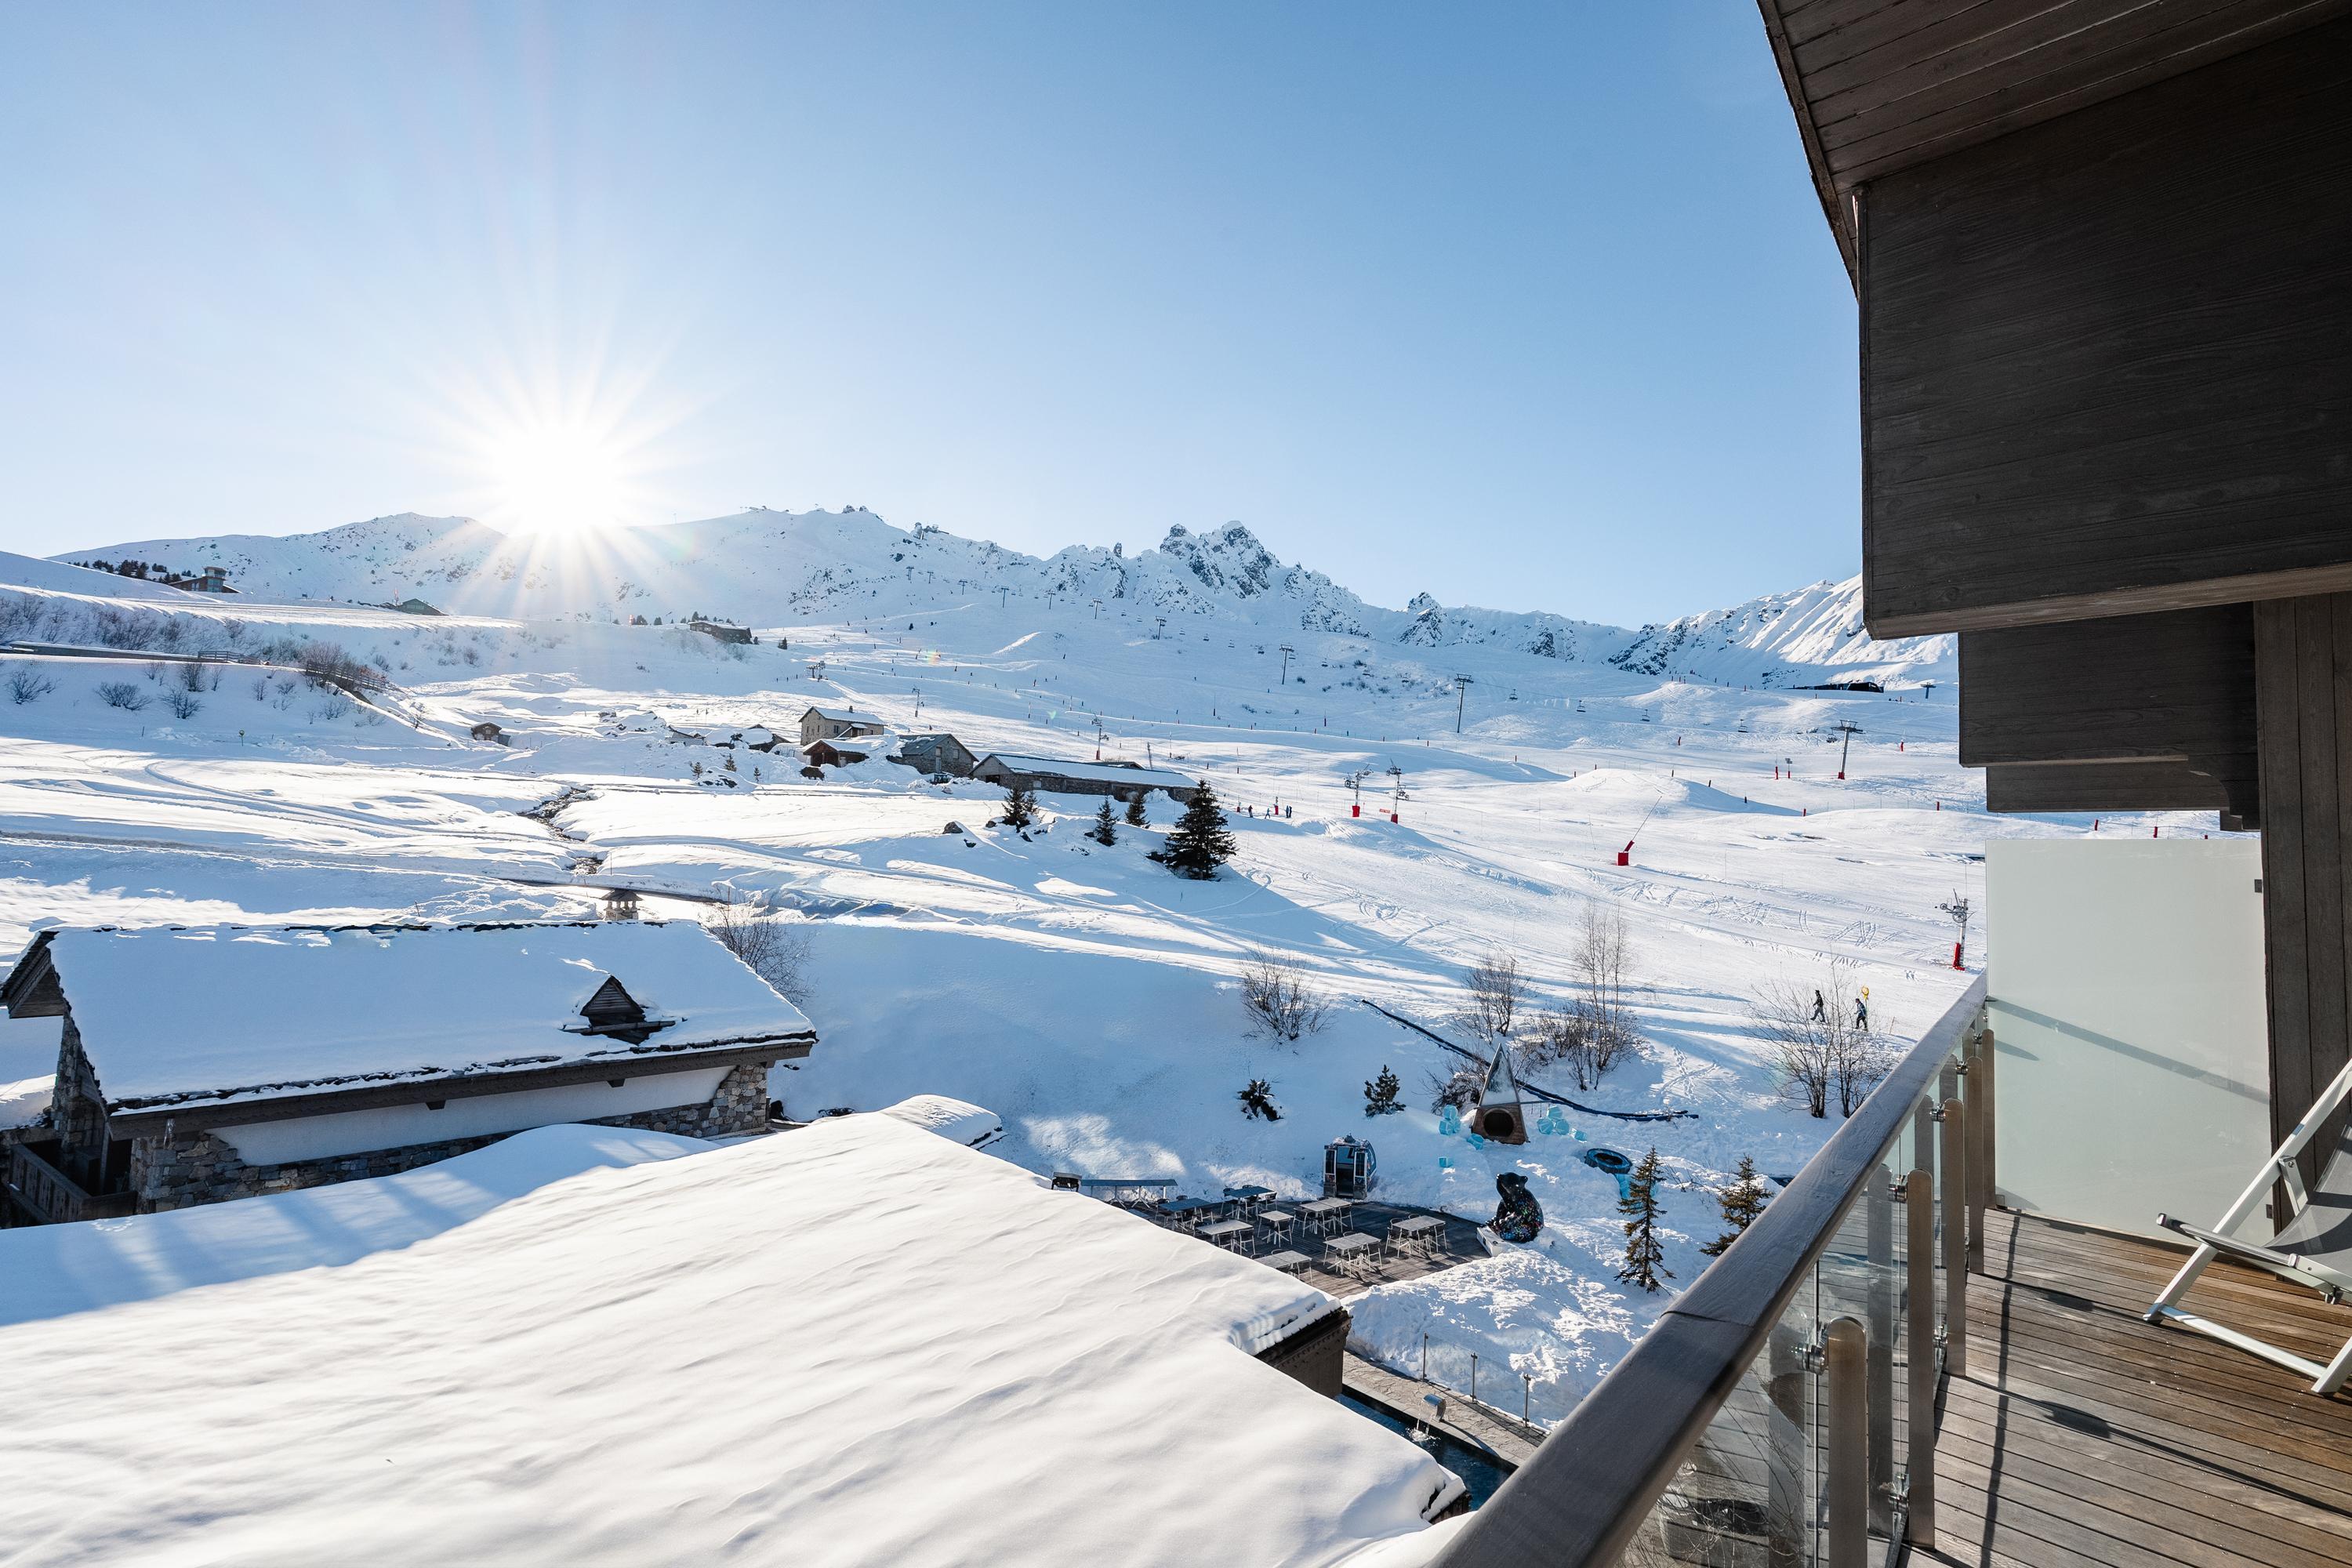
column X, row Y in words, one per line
column 1344, row 1246
column 2081, row 1433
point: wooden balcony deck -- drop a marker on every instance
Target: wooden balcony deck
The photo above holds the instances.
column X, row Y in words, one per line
column 2082, row 1434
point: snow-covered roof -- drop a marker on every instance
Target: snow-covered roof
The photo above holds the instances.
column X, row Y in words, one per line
column 235, row 1012
column 1107, row 773
column 957, row 1120
column 852, row 1343
column 843, row 715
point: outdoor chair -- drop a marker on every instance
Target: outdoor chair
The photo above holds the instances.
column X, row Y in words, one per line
column 2314, row 1248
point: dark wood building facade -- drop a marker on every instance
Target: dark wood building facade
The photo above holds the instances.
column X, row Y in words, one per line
column 2103, row 254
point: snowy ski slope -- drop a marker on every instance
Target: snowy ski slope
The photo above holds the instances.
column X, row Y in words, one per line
column 1078, row 991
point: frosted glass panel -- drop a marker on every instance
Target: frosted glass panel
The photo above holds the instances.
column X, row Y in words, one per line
column 2126, row 980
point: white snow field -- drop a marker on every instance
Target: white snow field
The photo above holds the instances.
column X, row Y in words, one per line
column 859, row 1343
column 1082, row 993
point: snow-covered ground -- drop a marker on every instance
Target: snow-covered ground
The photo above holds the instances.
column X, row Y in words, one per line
column 1081, row 992
column 859, row 1344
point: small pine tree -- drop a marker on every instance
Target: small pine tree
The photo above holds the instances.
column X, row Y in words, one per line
column 1135, row 814
column 1198, row 842
column 1020, row 807
column 1380, row 1094
column 1644, row 1259
column 1741, row 1202
column 1257, row 1100
column 1105, row 823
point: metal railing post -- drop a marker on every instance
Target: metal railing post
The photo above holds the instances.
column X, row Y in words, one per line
column 1848, row 1442
column 1974, row 1081
column 1878, row 1224
column 1955, row 1207
column 1920, row 1498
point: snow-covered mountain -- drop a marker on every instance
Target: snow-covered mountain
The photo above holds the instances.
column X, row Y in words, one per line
column 775, row 568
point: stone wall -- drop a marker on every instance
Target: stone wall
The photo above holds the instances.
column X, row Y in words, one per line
column 185, row 1169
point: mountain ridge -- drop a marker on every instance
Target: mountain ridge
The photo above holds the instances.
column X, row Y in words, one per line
column 765, row 567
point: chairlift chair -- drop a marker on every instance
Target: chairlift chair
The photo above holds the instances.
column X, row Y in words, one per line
column 2314, row 1248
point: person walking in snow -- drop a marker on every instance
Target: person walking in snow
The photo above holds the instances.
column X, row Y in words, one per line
column 1862, row 1012
column 1821, row 1008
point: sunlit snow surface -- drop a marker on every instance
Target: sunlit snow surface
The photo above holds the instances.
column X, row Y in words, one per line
column 854, row 1344
column 1081, row 993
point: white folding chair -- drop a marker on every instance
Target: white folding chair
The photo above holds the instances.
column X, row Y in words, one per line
column 2313, row 1248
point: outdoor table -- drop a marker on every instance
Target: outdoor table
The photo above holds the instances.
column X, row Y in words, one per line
column 1422, row 1233
column 1228, row 1233
column 1354, row 1252
column 1325, row 1214
column 1187, row 1211
column 1248, row 1197
column 1287, row 1262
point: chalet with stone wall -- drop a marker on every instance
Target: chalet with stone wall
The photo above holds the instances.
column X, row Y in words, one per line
column 1053, row 775
column 936, row 752
column 200, row 1064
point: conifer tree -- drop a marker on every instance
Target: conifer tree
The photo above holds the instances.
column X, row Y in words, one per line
column 1742, row 1201
column 1135, row 813
column 1106, row 824
column 1380, row 1094
column 1644, row 1258
column 1020, row 807
column 1198, row 842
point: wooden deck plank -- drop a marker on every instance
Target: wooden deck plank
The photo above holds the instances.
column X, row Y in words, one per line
column 2084, row 1434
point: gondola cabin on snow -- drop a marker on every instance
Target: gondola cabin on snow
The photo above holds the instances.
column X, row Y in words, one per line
column 834, row 723
column 201, row 1063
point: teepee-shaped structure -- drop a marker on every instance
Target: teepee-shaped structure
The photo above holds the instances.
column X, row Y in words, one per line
column 1501, row 1118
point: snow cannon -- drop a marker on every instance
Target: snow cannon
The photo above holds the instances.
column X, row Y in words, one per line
column 1357, row 809
column 1625, row 856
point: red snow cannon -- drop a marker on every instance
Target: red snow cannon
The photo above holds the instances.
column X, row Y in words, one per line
column 1625, row 856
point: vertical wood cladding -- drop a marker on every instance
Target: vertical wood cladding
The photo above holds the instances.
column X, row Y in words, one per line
column 2303, row 661
column 2107, row 360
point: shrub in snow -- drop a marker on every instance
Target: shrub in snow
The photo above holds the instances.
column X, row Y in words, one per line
column 775, row 952
column 122, row 694
column 1257, row 1100
column 1495, row 992
column 183, row 704
column 1019, row 807
column 1136, row 815
column 1741, row 1202
column 1199, row 842
column 1458, row 1089
column 192, row 676
column 1278, row 1000
column 28, row 686
column 1646, row 1260
column 1825, row 1055
column 332, row 706
column 1380, row 1094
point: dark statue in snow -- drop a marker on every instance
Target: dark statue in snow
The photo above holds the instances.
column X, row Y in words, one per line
column 1518, row 1216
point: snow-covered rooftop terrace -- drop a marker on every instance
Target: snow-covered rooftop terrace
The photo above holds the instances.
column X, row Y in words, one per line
column 854, row 1343
column 247, row 1012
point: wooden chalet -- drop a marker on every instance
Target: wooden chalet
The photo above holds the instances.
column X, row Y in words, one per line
column 936, row 752
column 1057, row 776
column 833, row 723
column 199, row 1063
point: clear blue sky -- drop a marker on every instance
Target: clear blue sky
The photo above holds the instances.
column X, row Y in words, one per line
column 1528, row 306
